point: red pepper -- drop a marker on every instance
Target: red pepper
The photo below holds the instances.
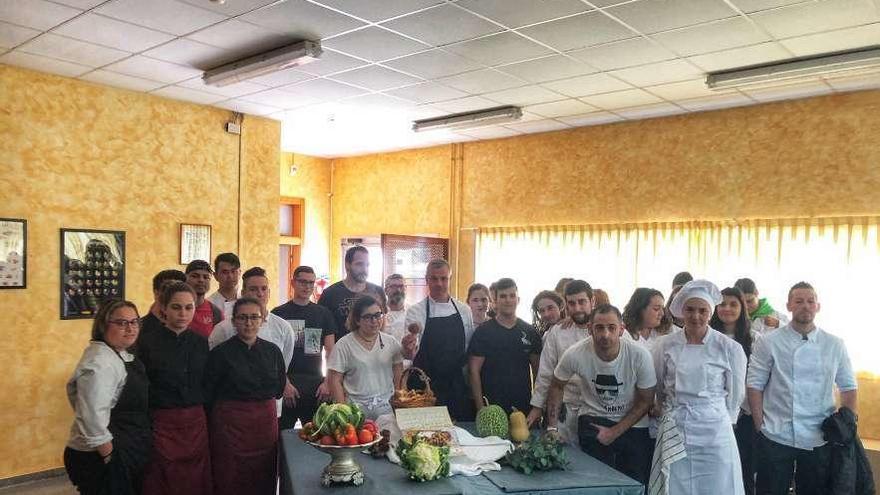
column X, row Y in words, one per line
column 365, row 436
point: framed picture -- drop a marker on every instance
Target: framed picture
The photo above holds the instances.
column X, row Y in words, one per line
column 92, row 270
column 195, row 242
column 13, row 253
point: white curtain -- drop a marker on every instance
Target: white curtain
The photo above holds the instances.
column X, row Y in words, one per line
column 839, row 256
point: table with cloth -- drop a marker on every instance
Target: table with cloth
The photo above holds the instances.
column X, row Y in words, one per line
column 301, row 467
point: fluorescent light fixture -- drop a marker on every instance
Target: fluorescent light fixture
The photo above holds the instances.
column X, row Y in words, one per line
column 816, row 65
column 469, row 120
column 299, row 53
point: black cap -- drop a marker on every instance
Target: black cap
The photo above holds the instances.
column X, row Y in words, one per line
column 198, row 265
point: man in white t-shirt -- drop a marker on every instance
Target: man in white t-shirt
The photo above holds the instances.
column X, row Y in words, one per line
column 395, row 317
column 227, row 268
column 617, row 379
column 274, row 328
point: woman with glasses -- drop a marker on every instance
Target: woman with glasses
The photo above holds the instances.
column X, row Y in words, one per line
column 175, row 357
column 244, row 377
column 365, row 366
column 110, row 437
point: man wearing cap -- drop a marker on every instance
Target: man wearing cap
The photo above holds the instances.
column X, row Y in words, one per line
column 701, row 384
column 792, row 374
column 198, row 276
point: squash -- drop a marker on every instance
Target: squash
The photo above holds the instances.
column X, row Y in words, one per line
column 519, row 429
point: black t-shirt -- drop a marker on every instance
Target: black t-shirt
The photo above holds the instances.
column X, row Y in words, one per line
column 505, row 374
column 238, row 372
column 308, row 322
column 338, row 299
column 175, row 365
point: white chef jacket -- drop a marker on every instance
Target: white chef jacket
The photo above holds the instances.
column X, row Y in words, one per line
column 797, row 377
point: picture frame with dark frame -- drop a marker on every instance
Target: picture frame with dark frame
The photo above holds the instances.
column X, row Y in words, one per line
column 92, row 270
column 195, row 242
column 13, row 253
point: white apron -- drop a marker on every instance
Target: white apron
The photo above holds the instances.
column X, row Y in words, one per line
column 712, row 466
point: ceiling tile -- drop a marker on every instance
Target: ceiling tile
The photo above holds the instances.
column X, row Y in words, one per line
column 282, row 78
column 229, row 91
column 788, row 91
column 482, row 81
column 331, row 62
column 241, row 37
column 232, row 8
column 658, row 73
column 749, row 6
column 247, row 107
column 302, row 19
column 715, row 102
column 191, row 53
column 374, row 44
column 12, row 35
column 527, row 95
column 116, row 80
column 594, row 118
column 516, row 13
column 110, row 32
column 156, row 70
column 322, row 89
column 380, row 102
column 280, row 99
column 832, row 41
column 587, row 85
column 592, row 28
column 538, row 126
column 652, row 16
column 620, row 54
column 81, row 4
column 71, row 50
column 650, row 111
column 379, row 10
column 682, row 90
column 562, row 108
column 499, row 49
column 470, row 104
column 375, row 78
column 741, row 57
column 855, row 83
column 442, row 25
column 712, row 37
column 491, row 132
column 621, row 99
column 163, row 15
column 433, row 64
column 547, row 69
column 187, row 94
column 427, row 93
column 36, row 14
column 814, row 17
column 43, row 64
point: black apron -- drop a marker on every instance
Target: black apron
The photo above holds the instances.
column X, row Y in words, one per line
column 132, row 436
column 442, row 356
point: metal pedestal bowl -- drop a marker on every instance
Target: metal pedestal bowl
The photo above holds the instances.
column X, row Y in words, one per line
column 343, row 467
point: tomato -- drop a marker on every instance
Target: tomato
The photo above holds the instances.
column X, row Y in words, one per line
column 365, row 436
column 372, row 428
column 349, row 429
column 340, row 437
column 351, row 438
column 327, row 440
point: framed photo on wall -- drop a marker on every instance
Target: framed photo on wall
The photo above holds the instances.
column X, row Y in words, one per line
column 92, row 270
column 13, row 253
column 195, row 242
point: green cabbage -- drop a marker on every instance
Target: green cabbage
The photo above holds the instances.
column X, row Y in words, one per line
column 423, row 461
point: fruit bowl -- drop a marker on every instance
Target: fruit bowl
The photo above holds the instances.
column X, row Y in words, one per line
column 343, row 467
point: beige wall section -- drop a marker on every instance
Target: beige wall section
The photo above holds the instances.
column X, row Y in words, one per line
column 312, row 183
column 75, row 154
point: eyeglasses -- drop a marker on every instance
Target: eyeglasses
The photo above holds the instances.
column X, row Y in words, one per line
column 373, row 316
column 135, row 323
column 247, row 318
column 307, row 283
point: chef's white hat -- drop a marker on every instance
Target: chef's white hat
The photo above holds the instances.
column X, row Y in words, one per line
column 695, row 289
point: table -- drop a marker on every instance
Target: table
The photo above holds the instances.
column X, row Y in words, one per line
column 301, row 467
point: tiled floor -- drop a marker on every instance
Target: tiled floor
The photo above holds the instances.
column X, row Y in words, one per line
column 53, row 486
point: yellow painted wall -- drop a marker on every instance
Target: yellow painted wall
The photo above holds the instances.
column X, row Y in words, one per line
column 312, row 183
column 74, row 154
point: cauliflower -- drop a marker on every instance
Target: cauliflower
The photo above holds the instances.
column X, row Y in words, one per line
column 423, row 461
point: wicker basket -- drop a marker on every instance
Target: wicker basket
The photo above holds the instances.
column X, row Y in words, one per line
column 413, row 398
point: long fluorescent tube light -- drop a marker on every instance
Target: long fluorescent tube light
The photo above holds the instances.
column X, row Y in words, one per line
column 469, row 120
column 796, row 68
column 299, row 53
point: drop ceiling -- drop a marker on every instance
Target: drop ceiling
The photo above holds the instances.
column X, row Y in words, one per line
column 568, row 63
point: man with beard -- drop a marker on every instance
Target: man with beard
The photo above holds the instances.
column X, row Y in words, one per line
column 395, row 290
column 339, row 296
column 616, row 379
column 439, row 330
column 790, row 386
column 578, row 305
column 198, row 276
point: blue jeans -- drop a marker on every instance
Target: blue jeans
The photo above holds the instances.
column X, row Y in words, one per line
column 776, row 466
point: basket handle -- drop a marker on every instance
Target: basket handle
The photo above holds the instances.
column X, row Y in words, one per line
column 404, row 378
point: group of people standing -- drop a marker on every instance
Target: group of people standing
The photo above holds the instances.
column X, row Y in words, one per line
column 190, row 398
